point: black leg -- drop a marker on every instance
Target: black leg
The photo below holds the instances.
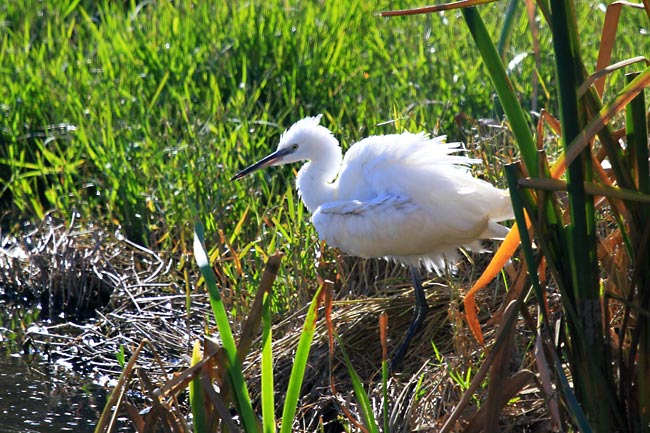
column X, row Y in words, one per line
column 420, row 312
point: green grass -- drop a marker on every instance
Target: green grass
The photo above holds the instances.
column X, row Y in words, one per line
column 136, row 117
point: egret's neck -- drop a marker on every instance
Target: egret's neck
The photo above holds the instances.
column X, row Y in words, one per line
column 314, row 181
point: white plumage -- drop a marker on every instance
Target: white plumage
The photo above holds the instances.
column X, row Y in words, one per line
column 404, row 197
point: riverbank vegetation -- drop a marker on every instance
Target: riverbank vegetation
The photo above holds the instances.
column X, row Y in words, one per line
column 121, row 124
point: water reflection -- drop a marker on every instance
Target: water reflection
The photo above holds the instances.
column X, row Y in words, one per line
column 31, row 401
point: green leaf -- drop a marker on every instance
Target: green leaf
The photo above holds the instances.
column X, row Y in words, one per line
column 518, row 119
column 362, row 397
column 299, row 365
column 120, row 356
column 268, row 401
column 197, row 395
column 234, row 369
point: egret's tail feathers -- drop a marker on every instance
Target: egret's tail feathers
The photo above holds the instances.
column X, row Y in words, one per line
column 440, row 261
column 502, row 208
column 495, row 231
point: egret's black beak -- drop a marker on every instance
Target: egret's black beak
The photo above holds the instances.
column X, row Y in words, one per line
column 272, row 159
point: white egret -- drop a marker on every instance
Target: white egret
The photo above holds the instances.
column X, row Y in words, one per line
column 404, row 197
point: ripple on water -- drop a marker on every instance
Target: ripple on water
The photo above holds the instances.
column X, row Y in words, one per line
column 32, row 402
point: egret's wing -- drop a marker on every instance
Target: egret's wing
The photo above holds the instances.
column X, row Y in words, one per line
column 358, row 208
column 400, row 164
column 366, row 228
column 390, row 226
column 406, row 196
column 432, row 174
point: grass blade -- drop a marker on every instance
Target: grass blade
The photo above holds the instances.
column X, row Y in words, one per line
column 513, row 173
column 590, row 364
column 599, row 123
column 240, row 391
column 268, row 401
column 637, row 148
column 508, row 26
column 299, row 364
column 637, row 141
column 498, row 261
column 505, row 91
column 573, row 406
column 362, row 397
column 383, row 331
column 197, row 398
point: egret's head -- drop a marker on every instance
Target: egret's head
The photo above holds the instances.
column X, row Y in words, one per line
column 304, row 140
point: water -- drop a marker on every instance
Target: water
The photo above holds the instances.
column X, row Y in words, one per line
column 33, row 400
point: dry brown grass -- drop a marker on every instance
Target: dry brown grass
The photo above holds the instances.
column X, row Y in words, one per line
column 147, row 301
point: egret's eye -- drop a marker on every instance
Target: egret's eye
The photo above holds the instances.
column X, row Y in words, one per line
column 294, row 146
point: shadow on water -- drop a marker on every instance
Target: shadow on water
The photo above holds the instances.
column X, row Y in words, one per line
column 37, row 393
column 73, row 300
column 47, row 283
column 31, row 400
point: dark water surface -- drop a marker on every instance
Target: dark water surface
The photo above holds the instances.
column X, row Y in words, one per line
column 33, row 400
